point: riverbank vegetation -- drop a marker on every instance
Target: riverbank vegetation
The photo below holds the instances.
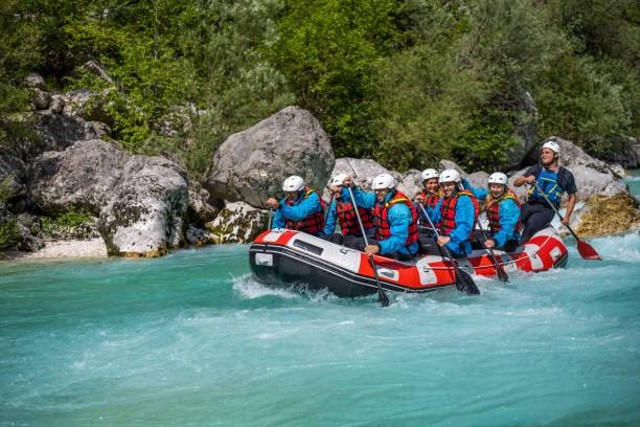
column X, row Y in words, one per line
column 406, row 82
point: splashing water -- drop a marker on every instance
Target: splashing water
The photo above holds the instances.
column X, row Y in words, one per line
column 192, row 340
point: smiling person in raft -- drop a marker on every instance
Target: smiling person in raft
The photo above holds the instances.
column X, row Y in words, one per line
column 455, row 214
column 553, row 180
column 394, row 217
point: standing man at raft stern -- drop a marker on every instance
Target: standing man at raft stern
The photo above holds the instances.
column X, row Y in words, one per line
column 554, row 180
column 503, row 212
column 455, row 214
column 301, row 208
column 394, row 218
column 342, row 211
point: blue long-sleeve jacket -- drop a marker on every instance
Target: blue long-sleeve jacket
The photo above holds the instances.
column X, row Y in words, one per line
column 399, row 216
column 465, row 222
column 508, row 212
column 300, row 209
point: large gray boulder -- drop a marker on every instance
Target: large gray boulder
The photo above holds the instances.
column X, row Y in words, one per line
column 141, row 201
column 251, row 165
column 12, row 174
column 57, row 132
column 83, row 176
column 145, row 212
column 629, row 156
column 363, row 171
column 238, row 222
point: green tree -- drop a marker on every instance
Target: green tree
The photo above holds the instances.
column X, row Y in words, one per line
column 326, row 49
column 19, row 39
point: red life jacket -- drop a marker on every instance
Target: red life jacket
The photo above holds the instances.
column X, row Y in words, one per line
column 448, row 211
column 430, row 200
column 381, row 218
column 348, row 219
column 314, row 223
column 493, row 212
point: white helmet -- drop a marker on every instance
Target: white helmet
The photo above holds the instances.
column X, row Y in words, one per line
column 429, row 173
column 497, row 178
column 338, row 179
column 383, row 181
column 293, row 183
column 552, row 145
column 449, row 175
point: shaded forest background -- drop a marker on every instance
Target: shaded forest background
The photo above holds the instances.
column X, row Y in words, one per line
column 405, row 82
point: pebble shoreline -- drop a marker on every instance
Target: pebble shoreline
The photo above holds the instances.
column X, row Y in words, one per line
column 62, row 249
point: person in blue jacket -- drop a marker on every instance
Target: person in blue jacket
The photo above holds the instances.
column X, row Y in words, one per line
column 455, row 214
column 394, row 217
column 503, row 212
column 301, row 209
column 342, row 212
column 554, row 180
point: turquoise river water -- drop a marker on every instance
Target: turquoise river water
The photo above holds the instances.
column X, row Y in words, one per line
column 191, row 340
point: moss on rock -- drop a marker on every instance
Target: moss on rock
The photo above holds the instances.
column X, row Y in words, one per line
column 609, row 215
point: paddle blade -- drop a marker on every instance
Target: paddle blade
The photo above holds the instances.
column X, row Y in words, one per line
column 464, row 283
column 383, row 298
column 586, row 251
column 502, row 274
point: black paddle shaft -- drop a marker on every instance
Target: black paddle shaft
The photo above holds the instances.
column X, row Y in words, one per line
column 464, row 282
column 585, row 250
column 382, row 296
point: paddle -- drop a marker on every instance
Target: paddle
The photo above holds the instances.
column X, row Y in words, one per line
column 270, row 217
column 464, row 282
column 585, row 250
column 382, row 296
column 501, row 273
column 326, row 214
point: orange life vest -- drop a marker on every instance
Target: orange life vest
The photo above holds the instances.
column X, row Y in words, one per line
column 430, row 200
column 493, row 212
column 314, row 223
column 348, row 219
column 448, row 211
column 381, row 218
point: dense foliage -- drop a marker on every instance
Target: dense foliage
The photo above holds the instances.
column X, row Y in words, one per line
column 406, row 82
column 8, row 225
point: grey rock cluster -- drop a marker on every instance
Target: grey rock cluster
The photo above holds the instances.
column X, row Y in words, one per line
column 251, row 165
column 144, row 206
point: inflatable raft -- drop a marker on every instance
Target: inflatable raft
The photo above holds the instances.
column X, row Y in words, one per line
column 293, row 258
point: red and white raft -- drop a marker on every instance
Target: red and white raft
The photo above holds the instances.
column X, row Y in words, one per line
column 288, row 257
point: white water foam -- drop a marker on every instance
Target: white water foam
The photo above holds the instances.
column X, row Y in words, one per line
column 624, row 248
column 252, row 289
